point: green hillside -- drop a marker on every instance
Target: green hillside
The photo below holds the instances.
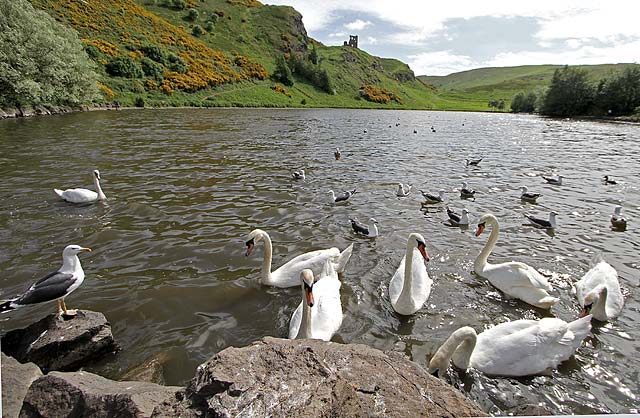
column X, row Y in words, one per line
column 221, row 53
column 483, row 84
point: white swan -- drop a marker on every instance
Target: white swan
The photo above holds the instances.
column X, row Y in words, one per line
column 83, row 195
column 288, row 274
column 514, row 279
column 319, row 314
column 519, row 348
column 410, row 285
column 598, row 292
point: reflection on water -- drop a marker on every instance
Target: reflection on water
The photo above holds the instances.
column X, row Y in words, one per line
column 185, row 187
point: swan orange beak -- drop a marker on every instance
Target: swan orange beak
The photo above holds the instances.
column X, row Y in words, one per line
column 480, row 230
column 309, row 293
column 423, row 251
column 585, row 310
column 250, row 246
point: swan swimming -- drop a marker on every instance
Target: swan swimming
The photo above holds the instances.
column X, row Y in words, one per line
column 514, row 279
column 83, row 195
column 598, row 292
column 319, row 314
column 517, row 348
column 410, row 286
column 288, row 274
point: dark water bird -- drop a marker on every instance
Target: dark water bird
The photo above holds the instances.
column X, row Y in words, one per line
column 528, row 197
column 298, row 175
column 403, row 191
column 458, row 219
column 343, row 198
column 466, row 192
column 475, row 162
column 54, row 286
column 83, row 195
column 415, row 131
column 337, row 153
column 617, row 220
column 543, row 223
column 609, row 181
column 431, row 198
column 551, row 180
column 370, row 231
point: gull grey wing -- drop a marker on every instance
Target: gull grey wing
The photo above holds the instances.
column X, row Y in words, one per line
column 50, row 287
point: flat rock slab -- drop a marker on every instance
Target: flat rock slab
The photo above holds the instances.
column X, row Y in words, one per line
column 16, row 379
column 312, row 378
column 55, row 343
column 87, row 395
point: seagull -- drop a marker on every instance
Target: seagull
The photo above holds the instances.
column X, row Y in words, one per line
column 337, row 153
column 342, row 198
column 551, row 180
column 402, row 191
column 473, row 162
column 467, row 193
column 298, row 175
column 617, row 220
column 83, row 195
column 607, row 181
column 542, row 223
column 458, row 220
column 430, row 198
column 528, row 197
column 56, row 285
column 370, row 231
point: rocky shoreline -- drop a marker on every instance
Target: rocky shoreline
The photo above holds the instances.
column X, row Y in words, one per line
column 30, row 111
column 270, row 377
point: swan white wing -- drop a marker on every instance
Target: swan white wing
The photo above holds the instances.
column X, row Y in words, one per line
column 420, row 285
column 602, row 273
column 327, row 312
column 288, row 274
column 526, row 347
column 397, row 281
column 79, row 195
column 294, row 323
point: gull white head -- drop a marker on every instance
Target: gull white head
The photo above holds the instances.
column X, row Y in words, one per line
column 617, row 210
column 524, row 189
column 464, row 184
column 73, row 250
column 441, row 194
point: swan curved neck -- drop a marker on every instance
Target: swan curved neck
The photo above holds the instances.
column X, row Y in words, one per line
column 305, row 323
column 600, row 305
column 407, row 286
column 265, row 274
column 101, row 195
column 481, row 261
column 459, row 347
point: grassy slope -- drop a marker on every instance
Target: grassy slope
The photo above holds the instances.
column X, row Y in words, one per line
column 480, row 85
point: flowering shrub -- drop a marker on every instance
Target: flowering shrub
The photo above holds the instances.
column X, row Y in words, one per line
column 378, row 95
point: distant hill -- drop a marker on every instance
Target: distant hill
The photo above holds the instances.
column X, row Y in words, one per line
column 221, row 53
column 484, row 84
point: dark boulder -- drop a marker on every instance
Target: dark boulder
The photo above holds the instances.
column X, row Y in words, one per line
column 84, row 395
column 150, row 370
column 55, row 343
column 312, row 378
column 16, row 379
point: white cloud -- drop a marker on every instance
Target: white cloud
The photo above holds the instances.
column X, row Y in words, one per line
column 357, row 24
column 338, row 35
column 370, row 40
column 438, row 63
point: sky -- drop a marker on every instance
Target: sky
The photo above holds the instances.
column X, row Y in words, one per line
column 440, row 38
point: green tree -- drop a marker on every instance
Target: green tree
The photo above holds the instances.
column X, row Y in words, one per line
column 193, row 15
column 197, row 30
column 313, row 55
column 619, row 95
column 282, row 73
column 125, row 67
column 569, row 94
column 524, row 103
column 41, row 61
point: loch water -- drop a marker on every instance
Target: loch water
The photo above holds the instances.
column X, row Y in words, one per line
column 186, row 186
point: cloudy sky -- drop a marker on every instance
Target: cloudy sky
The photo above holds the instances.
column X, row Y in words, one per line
column 439, row 38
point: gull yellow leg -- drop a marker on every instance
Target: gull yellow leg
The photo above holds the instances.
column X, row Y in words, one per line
column 60, row 310
column 68, row 312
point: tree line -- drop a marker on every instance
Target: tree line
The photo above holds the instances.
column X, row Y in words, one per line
column 572, row 93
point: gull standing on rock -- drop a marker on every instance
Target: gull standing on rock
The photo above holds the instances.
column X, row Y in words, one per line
column 83, row 195
column 56, row 285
